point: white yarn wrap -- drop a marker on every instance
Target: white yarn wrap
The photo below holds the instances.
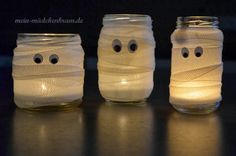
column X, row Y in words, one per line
column 126, row 76
column 46, row 84
column 196, row 80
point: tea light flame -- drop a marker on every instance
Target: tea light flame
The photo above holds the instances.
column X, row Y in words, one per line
column 44, row 87
column 123, row 81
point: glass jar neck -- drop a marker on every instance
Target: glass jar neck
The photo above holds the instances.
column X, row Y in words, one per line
column 131, row 19
column 197, row 21
column 46, row 38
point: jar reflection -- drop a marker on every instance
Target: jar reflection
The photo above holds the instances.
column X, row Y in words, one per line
column 54, row 133
column 125, row 129
column 193, row 135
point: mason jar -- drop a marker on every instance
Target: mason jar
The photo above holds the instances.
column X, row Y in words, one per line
column 126, row 58
column 196, row 65
column 48, row 71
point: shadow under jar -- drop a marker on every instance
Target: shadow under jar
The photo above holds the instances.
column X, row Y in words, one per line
column 126, row 58
column 48, row 71
column 196, row 65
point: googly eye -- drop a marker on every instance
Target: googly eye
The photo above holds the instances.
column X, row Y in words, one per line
column 54, row 59
column 198, row 51
column 185, row 52
column 117, row 46
column 38, row 58
column 132, row 46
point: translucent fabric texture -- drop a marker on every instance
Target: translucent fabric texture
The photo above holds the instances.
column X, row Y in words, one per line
column 48, row 70
column 196, row 66
column 126, row 58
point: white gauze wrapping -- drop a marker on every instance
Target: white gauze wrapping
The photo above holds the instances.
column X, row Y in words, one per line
column 46, row 83
column 126, row 76
column 196, row 80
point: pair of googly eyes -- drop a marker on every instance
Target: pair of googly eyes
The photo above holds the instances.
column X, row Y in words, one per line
column 117, row 46
column 198, row 51
column 38, row 58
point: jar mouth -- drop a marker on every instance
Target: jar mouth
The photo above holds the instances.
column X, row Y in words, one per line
column 46, row 38
column 131, row 18
column 22, row 35
column 197, row 21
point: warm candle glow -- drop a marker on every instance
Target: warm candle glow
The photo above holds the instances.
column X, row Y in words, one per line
column 44, row 88
column 196, row 66
column 126, row 58
column 47, row 70
column 123, row 81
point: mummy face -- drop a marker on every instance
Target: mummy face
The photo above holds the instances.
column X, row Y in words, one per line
column 126, row 61
column 127, row 48
column 47, row 72
column 193, row 57
column 196, row 67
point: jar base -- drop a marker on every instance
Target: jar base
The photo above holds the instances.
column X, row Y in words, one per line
column 64, row 106
column 127, row 103
column 197, row 109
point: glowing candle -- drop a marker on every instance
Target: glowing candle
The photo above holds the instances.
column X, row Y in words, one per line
column 126, row 58
column 47, row 70
column 196, row 66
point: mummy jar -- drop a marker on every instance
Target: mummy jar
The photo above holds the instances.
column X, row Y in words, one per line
column 126, row 58
column 196, row 65
column 48, row 71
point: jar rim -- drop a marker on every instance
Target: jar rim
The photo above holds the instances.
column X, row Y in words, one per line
column 47, row 35
column 197, row 21
column 129, row 17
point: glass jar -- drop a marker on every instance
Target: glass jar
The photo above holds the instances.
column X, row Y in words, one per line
column 48, row 71
column 196, row 65
column 126, row 58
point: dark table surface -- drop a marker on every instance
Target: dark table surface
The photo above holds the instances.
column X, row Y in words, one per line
column 98, row 129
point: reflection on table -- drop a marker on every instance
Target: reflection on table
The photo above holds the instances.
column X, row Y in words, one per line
column 193, row 135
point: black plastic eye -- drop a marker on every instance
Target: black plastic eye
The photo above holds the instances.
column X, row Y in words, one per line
column 38, row 58
column 198, row 51
column 185, row 52
column 54, row 59
column 132, row 46
column 117, row 46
